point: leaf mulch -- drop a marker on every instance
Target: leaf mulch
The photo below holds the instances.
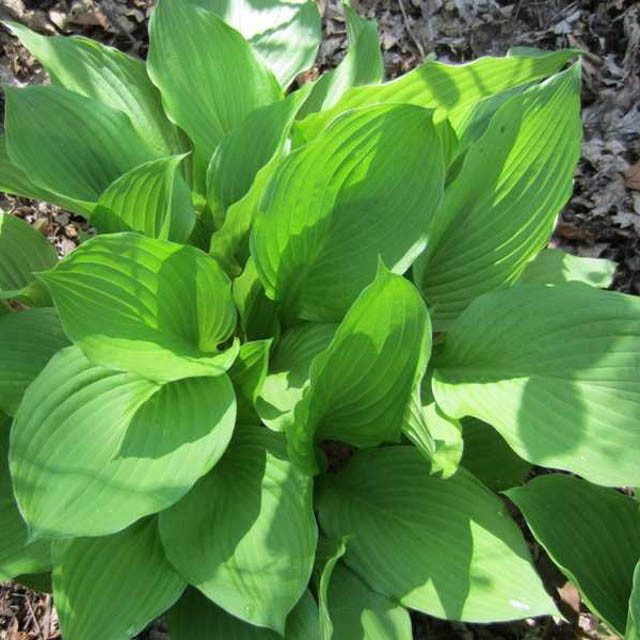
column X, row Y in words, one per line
column 601, row 220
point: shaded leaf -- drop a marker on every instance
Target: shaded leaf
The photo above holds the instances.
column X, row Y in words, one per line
column 247, row 374
column 633, row 618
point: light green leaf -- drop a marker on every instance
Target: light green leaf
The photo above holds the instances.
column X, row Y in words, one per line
column 244, row 151
column 208, row 75
column 111, row 588
column 361, row 385
column 28, row 339
column 289, row 372
column 554, row 370
column 17, row 555
column 100, row 143
column 490, row 458
column 147, row 306
column 316, row 247
column 286, row 35
column 107, row 75
column 152, row 199
column 633, row 617
column 591, row 533
column 450, row 89
column 247, row 374
column 447, row 436
column 257, row 565
column 93, row 450
column 328, row 553
column 447, row 548
column 194, row 617
column 501, row 209
column 362, row 64
column 553, row 267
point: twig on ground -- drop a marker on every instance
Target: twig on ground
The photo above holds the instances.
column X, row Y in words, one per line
column 407, row 26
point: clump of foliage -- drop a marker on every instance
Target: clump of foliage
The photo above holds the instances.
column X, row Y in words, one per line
column 317, row 333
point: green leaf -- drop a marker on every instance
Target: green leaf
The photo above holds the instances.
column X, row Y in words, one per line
column 447, row 548
column 286, row 35
column 554, row 370
column 361, row 385
column 22, row 251
column 107, row 75
column 147, row 306
column 152, row 199
column 501, row 209
column 328, row 554
column 93, row 450
column 450, row 89
column 362, row 64
column 591, row 533
column 490, row 458
column 633, row 618
column 17, row 555
column 208, row 75
column 316, row 247
column 288, row 375
column 195, row 617
column 247, row 374
column 258, row 564
column 111, row 588
column 246, row 149
column 28, row 339
column 553, row 267
column 100, row 143
column 447, row 436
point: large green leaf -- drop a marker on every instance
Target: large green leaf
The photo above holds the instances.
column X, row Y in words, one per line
column 148, row 306
column 444, row 547
column 17, row 555
column 100, row 143
column 152, row 199
column 633, row 617
column 591, row 533
column 250, row 537
column 451, row 89
column 107, row 75
column 552, row 266
column 360, row 386
column 286, row 35
column 500, row 210
column 93, row 450
column 194, row 617
column 362, row 64
column 28, row 339
column 288, row 375
column 316, row 246
column 208, row 75
column 247, row 374
column 111, row 588
column 554, row 370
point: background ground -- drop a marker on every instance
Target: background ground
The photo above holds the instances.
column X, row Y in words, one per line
column 601, row 220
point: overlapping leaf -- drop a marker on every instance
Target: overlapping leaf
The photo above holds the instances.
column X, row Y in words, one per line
column 316, row 245
column 147, row 306
column 247, row 374
column 251, row 538
column 444, row 547
column 633, row 617
column 93, row 450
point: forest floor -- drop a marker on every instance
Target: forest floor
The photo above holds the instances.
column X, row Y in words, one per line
column 601, row 220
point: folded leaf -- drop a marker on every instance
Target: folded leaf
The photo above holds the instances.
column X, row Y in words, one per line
column 246, row 535
column 93, row 449
column 552, row 266
column 328, row 553
column 100, row 143
column 450, row 89
column 247, row 374
column 147, row 306
column 28, row 340
column 195, row 617
column 107, row 75
column 633, row 618
column 316, row 246
column 286, row 35
column 591, row 533
column 361, row 384
column 554, row 370
column 152, row 199
column 447, row 548
column 208, row 75
column 500, row 210
column 111, row 588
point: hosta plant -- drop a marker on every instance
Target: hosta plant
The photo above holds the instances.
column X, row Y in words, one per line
column 293, row 384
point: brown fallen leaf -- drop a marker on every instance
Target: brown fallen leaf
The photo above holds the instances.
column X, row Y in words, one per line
column 632, row 176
